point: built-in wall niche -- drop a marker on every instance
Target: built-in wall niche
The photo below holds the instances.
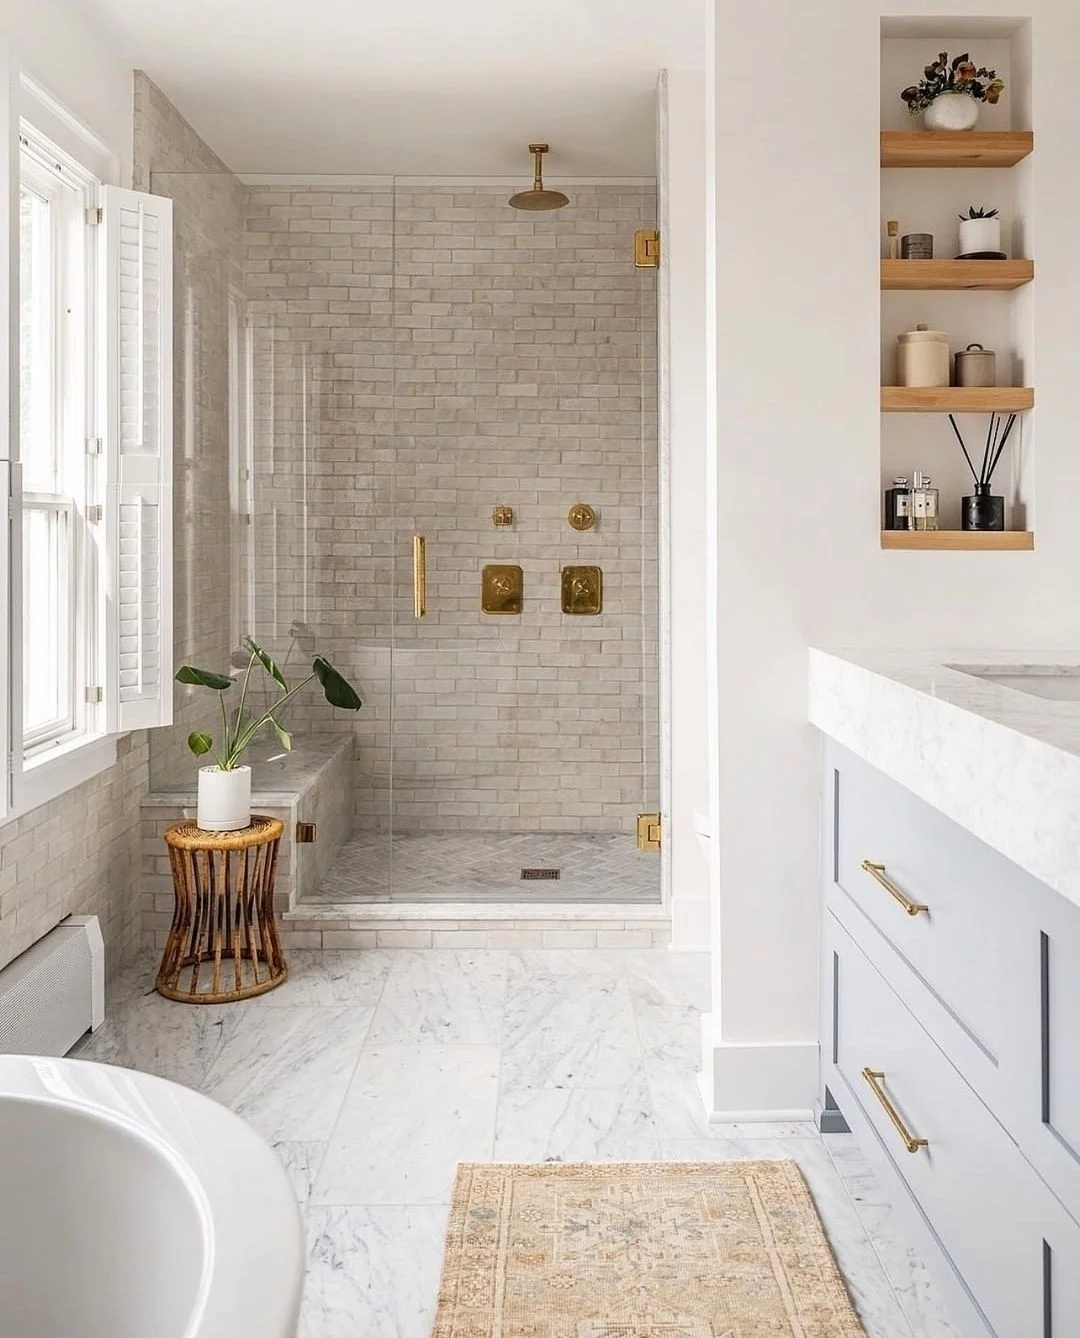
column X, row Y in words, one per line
column 927, row 180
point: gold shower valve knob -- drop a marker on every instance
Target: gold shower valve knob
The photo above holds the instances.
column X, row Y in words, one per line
column 582, row 516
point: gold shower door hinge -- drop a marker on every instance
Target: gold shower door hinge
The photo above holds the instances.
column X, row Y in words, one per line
column 647, row 249
column 650, row 831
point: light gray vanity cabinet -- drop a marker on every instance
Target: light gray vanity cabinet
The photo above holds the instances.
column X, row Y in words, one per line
column 956, row 976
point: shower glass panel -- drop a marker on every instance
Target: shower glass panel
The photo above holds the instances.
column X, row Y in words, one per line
column 524, row 743
column 283, row 477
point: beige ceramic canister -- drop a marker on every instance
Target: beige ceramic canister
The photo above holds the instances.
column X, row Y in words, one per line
column 976, row 366
column 922, row 357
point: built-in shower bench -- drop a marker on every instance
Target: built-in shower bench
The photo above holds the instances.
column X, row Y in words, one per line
column 311, row 785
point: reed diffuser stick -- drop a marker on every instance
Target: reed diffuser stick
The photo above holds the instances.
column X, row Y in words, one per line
column 987, row 447
column 1000, row 449
column 960, row 439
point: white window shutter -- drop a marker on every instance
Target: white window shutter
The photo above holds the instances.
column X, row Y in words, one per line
column 138, row 301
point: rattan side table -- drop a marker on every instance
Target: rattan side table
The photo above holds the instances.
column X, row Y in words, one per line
column 223, row 943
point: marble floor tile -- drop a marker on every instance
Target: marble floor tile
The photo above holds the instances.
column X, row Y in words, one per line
column 455, row 1000
column 302, row 1162
column 569, row 1032
column 159, row 1036
column 411, row 1113
column 332, row 979
column 571, row 1124
column 915, row 1289
column 372, row 1272
column 286, row 1069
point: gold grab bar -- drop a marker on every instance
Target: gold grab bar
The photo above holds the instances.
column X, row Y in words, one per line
column 875, row 1078
column 877, row 871
column 419, row 576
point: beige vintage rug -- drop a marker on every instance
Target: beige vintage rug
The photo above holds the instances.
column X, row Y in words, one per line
column 639, row 1250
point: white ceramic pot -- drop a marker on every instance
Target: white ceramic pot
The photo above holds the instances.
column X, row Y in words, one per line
column 952, row 111
column 224, row 799
column 979, row 234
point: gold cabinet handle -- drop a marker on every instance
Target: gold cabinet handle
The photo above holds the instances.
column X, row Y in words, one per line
column 877, row 871
column 876, row 1078
column 419, row 576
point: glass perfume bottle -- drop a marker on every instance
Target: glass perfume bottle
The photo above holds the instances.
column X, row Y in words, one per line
column 897, row 503
column 923, row 510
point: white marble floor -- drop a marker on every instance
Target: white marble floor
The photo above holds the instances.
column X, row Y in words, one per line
column 374, row 1073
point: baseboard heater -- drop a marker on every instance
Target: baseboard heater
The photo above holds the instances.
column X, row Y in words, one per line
column 54, row 992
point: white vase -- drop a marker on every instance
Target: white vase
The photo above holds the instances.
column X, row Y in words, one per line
column 979, row 234
column 952, row 111
column 224, row 799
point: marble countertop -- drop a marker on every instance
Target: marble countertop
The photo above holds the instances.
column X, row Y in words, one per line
column 1001, row 763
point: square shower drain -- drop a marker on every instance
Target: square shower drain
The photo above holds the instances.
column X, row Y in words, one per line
column 541, row 875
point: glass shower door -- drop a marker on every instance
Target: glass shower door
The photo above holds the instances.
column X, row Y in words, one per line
column 524, row 729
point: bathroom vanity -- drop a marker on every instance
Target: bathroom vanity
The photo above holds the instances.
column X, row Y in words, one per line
column 950, row 1016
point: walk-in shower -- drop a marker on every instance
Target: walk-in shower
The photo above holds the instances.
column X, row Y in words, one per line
column 409, row 378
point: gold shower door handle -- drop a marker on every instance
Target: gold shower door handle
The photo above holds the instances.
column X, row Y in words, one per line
column 419, row 576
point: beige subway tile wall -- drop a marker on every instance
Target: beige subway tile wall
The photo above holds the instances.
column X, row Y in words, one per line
column 420, row 355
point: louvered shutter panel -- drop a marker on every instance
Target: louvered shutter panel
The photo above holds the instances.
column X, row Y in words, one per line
column 138, row 291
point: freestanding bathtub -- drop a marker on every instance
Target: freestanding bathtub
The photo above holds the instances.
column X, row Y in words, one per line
column 131, row 1207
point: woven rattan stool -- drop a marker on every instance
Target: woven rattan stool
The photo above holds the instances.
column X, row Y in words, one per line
column 223, row 944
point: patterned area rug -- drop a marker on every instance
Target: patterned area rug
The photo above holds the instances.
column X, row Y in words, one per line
column 639, row 1250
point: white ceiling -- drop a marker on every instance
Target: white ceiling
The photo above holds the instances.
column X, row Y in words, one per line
column 416, row 87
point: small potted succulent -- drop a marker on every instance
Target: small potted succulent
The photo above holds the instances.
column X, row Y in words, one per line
column 980, row 233
column 949, row 93
column 224, row 798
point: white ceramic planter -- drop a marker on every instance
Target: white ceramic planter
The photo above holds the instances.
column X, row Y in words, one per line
column 979, row 234
column 224, row 799
column 952, row 111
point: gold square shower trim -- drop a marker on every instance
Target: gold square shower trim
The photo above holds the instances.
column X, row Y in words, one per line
column 501, row 589
column 582, row 590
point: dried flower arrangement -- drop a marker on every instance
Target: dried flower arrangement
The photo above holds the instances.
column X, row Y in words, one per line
column 961, row 75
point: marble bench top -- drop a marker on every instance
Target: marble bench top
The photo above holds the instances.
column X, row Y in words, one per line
column 1001, row 763
column 276, row 776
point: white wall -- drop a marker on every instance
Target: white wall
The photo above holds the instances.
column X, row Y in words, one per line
column 796, row 552
column 683, row 441
column 81, row 64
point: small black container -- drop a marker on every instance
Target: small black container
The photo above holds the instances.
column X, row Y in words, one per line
column 982, row 511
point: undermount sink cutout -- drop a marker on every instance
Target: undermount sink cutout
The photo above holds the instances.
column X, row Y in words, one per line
column 1052, row 682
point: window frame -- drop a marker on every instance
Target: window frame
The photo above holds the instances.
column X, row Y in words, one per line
column 49, row 760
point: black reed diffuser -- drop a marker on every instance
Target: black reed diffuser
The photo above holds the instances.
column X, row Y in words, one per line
column 982, row 510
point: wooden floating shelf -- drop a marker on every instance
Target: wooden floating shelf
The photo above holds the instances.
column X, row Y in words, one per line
column 957, row 541
column 955, row 148
column 956, row 399
column 943, row 275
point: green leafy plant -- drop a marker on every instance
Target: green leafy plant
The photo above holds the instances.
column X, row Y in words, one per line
column 981, row 212
column 960, row 75
column 237, row 732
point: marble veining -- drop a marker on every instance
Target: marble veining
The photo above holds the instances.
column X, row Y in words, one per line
column 1001, row 763
column 374, row 1073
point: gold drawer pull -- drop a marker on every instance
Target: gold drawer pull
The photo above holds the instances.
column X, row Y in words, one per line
column 876, row 1078
column 877, row 871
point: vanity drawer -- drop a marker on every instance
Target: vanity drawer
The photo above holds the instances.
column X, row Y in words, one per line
column 947, row 903
column 1000, row 1229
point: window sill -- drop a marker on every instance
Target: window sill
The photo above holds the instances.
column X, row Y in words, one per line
column 60, row 769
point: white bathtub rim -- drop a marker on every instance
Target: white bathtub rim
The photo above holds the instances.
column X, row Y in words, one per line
column 204, row 1144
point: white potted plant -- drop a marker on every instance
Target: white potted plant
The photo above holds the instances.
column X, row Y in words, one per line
column 949, row 93
column 224, row 796
column 980, row 232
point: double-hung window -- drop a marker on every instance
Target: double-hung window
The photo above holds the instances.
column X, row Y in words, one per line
column 61, row 512
column 89, row 615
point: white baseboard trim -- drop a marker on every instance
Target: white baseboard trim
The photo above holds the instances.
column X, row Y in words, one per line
column 690, row 920
column 758, row 1080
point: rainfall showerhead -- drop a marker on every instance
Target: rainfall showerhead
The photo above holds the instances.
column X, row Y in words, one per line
column 538, row 198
